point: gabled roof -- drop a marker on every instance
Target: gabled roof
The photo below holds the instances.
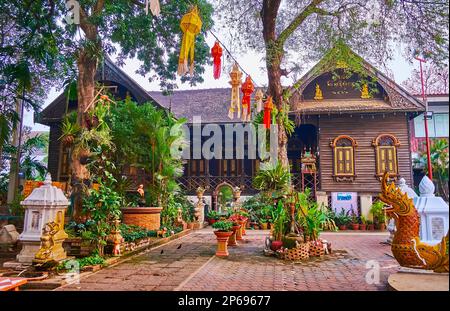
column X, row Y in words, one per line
column 399, row 99
column 210, row 104
column 108, row 71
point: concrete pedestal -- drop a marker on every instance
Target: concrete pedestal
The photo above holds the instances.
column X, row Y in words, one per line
column 418, row 281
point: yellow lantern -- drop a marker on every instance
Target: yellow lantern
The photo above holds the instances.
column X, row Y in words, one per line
column 191, row 25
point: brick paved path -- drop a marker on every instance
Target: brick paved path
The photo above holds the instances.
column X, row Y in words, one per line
column 194, row 267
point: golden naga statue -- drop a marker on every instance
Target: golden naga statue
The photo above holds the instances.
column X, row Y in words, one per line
column 47, row 241
column 407, row 248
column 319, row 94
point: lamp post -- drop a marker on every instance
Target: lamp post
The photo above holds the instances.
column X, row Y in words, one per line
column 427, row 138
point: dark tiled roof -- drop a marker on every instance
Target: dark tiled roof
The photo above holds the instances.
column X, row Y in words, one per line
column 210, row 104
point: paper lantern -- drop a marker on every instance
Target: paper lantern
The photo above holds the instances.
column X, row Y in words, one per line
column 191, row 25
column 259, row 96
column 216, row 53
column 268, row 107
column 247, row 90
column 235, row 82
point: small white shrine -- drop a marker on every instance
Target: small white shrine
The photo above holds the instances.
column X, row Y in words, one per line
column 433, row 213
column 45, row 204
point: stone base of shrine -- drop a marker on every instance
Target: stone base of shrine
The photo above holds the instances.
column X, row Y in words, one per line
column 418, row 280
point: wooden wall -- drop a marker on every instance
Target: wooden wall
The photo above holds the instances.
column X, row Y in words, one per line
column 363, row 130
column 54, row 150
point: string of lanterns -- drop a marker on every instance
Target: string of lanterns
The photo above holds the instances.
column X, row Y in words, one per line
column 191, row 25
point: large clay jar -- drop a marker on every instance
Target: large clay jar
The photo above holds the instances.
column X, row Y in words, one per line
column 222, row 240
column 232, row 239
column 276, row 245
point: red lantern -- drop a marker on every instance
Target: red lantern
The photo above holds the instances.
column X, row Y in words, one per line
column 247, row 89
column 268, row 107
column 216, row 53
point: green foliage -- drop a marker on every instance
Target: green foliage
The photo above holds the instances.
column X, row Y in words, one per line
column 131, row 233
column 149, row 138
column 439, row 164
column 223, row 225
column 91, row 261
column 377, row 210
column 259, row 208
column 103, row 207
column 280, row 221
column 310, row 216
column 272, row 179
column 342, row 218
column 213, row 215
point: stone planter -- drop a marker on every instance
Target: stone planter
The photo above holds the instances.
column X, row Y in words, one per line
column 232, row 239
column 145, row 217
column 222, row 240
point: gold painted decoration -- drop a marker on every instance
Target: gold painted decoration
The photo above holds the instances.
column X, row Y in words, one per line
column 259, row 96
column 236, row 82
column 191, row 25
column 319, row 94
column 365, row 92
column 407, row 248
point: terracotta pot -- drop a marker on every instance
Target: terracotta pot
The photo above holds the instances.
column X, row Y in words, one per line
column 371, row 227
column 276, row 245
column 342, row 227
column 264, row 226
column 363, row 227
column 382, row 227
column 232, row 239
column 222, row 240
column 239, row 231
column 145, row 217
column 355, row 226
column 244, row 225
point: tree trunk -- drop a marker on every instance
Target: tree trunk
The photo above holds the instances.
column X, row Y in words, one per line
column 87, row 68
column 274, row 56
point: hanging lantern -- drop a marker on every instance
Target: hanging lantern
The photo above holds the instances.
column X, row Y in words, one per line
column 268, row 107
column 235, row 82
column 191, row 25
column 247, row 89
column 154, row 7
column 259, row 96
column 216, row 53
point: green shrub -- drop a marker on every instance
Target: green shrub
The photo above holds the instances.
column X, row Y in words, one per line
column 223, row 225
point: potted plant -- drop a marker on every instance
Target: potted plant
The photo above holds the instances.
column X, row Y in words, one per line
column 354, row 220
column 279, row 227
column 70, row 129
column 224, row 229
column 263, row 223
column 370, row 225
column 377, row 210
column 363, row 224
column 342, row 219
column 232, row 239
column 212, row 217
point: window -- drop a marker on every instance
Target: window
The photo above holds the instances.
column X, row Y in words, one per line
column 197, row 168
column 386, row 154
column 344, row 158
column 437, row 126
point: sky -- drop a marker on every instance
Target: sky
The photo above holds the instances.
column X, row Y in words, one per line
column 251, row 62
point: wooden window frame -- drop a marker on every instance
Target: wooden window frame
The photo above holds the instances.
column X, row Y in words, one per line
column 344, row 177
column 378, row 149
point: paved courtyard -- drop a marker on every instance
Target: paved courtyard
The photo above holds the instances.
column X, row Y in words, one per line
column 189, row 264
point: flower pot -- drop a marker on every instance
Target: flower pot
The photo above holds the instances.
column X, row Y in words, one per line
column 276, row 245
column 244, row 225
column 264, row 225
column 232, row 238
column 145, row 217
column 363, row 227
column 342, row 227
column 239, row 231
column 371, row 227
column 355, row 226
column 381, row 227
column 222, row 240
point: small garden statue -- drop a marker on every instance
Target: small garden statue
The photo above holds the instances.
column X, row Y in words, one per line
column 51, row 249
column 237, row 197
column 116, row 238
column 141, row 192
column 179, row 221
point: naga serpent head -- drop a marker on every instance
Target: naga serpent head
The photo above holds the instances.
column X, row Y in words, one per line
column 399, row 204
